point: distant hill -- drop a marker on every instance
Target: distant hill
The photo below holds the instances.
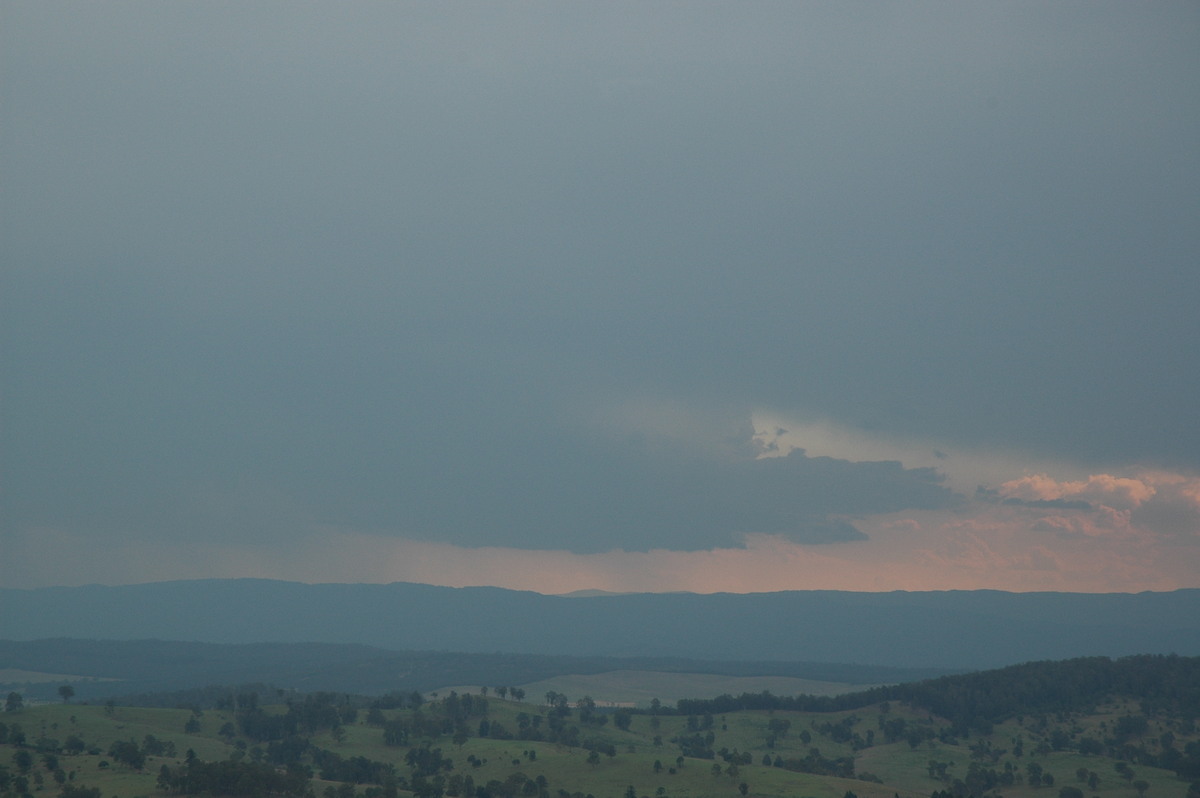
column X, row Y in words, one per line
column 959, row 630
column 103, row 669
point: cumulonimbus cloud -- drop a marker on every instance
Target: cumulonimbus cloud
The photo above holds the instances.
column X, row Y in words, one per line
column 1147, row 503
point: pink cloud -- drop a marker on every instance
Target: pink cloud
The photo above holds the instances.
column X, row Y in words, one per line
column 1103, row 522
column 1099, row 488
column 1004, row 548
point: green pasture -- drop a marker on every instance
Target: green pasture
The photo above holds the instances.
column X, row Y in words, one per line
column 902, row 767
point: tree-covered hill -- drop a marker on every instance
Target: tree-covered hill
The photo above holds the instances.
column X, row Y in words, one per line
column 1163, row 686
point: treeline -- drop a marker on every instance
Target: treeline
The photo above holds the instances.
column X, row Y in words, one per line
column 1166, row 685
column 232, row 778
column 315, row 712
column 213, row 696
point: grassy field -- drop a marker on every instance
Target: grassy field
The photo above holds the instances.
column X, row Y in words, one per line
column 903, row 769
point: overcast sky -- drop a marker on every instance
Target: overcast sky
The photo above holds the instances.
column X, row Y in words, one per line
column 630, row 296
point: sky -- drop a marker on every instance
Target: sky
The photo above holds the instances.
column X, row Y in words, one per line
column 605, row 295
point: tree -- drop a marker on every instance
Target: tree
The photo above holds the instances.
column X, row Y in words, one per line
column 587, row 708
column 67, row 692
column 128, row 753
column 14, row 702
column 1141, row 786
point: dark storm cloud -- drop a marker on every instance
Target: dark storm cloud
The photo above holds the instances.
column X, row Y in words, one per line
column 277, row 265
column 255, row 429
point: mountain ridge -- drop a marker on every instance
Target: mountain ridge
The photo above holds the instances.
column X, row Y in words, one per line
column 947, row 629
